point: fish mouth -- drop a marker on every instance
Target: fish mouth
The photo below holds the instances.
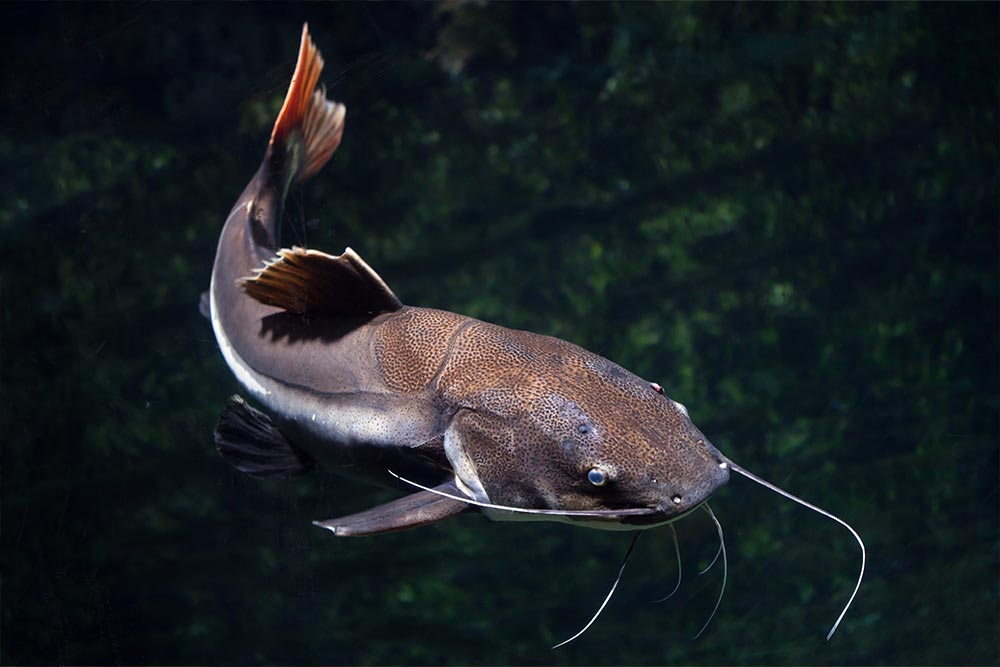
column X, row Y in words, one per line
column 637, row 518
column 656, row 517
column 605, row 515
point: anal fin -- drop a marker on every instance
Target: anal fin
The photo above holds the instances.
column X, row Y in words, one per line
column 412, row 511
column 248, row 440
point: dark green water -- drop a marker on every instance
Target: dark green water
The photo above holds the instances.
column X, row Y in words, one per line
column 786, row 214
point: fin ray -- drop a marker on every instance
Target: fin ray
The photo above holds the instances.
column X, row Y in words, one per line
column 248, row 440
column 309, row 281
column 306, row 110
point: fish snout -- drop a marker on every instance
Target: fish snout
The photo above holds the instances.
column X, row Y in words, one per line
column 717, row 469
column 710, row 472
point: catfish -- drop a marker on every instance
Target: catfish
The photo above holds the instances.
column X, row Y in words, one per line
column 463, row 414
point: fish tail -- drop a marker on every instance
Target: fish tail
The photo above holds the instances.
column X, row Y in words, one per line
column 309, row 126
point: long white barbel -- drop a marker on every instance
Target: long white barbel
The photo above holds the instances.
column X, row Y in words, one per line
column 766, row 484
column 601, row 514
column 607, row 598
column 725, row 569
column 677, row 551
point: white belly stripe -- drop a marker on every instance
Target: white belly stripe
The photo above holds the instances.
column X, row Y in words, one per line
column 326, row 420
column 246, row 376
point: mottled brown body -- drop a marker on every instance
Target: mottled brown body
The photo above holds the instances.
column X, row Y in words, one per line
column 510, row 422
column 350, row 377
column 524, row 401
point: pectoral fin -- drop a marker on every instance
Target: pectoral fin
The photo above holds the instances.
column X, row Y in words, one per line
column 412, row 511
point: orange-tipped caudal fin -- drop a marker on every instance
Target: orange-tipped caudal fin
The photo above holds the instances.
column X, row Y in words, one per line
column 309, row 126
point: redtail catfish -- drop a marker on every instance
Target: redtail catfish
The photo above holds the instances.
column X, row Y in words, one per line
column 464, row 414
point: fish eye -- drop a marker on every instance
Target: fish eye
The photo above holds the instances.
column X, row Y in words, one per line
column 656, row 387
column 597, row 477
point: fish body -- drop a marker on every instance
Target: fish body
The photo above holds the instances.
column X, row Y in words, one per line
column 351, row 378
column 477, row 416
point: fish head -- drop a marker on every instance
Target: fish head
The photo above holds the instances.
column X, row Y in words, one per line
column 583, row 436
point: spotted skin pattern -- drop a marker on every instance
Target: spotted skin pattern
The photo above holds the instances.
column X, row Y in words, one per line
column 527, row 402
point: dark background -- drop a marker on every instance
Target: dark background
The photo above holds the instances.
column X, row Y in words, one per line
column 786, row 214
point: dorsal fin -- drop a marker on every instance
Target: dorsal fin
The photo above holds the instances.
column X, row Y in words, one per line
column 310, row 281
